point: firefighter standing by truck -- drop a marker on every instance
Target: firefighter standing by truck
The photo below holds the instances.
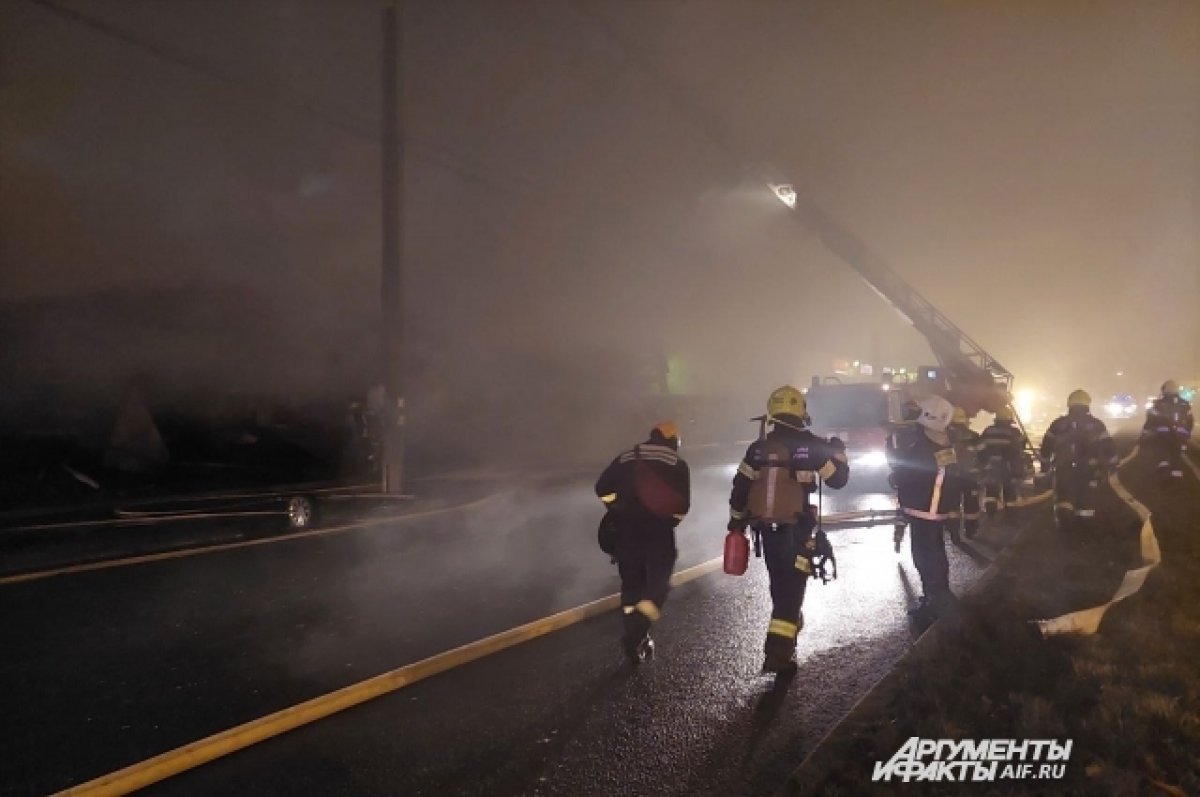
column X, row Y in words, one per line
column 647, row 492
column 930, row 485
column 1080, row 451
column 966, row 442
column 899, row 435
column 1001, row 457
column 1169, row 423
column 771, row 495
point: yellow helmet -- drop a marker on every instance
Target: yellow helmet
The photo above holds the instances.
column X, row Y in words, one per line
column 1005, row 414
column 960, row 417
column 1079, row 398
column 787, row 400
column 667, row 430
column 1170, row 388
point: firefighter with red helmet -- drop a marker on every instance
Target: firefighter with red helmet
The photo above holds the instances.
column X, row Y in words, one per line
column 1168, row 427
column 1079, row 449
column 647, row 492
column 930, row 484
column 771, row 495
column 1001, row 458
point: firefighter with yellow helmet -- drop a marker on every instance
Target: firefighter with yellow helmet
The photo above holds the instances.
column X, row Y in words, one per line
column 772, row 492
column 1168, row 427
column 1079, row 449
column 1002, row 460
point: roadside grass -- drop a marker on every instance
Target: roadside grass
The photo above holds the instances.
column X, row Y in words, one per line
column 1128, row 697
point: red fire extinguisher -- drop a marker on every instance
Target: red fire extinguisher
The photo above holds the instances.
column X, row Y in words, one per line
column 737, row 553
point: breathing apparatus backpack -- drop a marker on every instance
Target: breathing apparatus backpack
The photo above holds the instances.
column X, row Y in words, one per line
column 776, row 496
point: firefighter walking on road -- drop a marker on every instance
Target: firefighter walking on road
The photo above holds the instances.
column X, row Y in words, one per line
column 930, row 485
column 1168, row 428
column 967, row 446
column 1001, row 458
column 771, row 495
column 647, row 492
column 1080, row 451
column 900, row 435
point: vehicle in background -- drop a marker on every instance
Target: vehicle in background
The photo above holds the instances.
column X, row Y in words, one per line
column 1121, row 406
column 859, row 413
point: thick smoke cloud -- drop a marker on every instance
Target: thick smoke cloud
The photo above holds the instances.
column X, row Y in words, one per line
column 586, row 191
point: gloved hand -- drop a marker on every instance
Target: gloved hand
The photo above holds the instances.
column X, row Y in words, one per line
column 838, row 444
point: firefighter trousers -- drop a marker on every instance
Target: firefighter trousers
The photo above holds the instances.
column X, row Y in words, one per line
column 1167, row 450
column 788, row 569
column 645, row 560
column 1075, row 491
column 1001, row 490
column 929, row 556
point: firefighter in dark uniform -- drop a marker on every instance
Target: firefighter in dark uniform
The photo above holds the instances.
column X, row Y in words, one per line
column 647, row 491
column 1168, row 427
column 771, row 494
column 899, row 435
column 966, row 442
column 930, row 485
column 1080, row 451
column 1002, row 459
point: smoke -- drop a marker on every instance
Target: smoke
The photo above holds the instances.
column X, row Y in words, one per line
column 586, row 191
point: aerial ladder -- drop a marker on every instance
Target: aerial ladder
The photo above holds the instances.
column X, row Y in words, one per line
column 968, row 376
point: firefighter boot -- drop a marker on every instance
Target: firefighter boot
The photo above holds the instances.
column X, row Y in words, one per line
column 778, row 655
column 898, row 536
column 636, row 643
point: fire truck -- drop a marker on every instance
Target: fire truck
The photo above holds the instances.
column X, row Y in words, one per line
column 965, row 374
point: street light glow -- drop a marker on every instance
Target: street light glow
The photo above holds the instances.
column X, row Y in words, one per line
column 785, row 193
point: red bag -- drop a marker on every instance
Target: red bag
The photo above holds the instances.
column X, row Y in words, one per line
column 653, row 493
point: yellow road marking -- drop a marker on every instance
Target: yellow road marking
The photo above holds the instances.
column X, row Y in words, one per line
column 229, row 546
column 181, row 759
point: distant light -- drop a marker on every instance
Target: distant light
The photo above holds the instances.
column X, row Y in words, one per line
column 785, row 193
column 871, row 460
column 1023, row 403
column 885, row 386
column 1120, row 373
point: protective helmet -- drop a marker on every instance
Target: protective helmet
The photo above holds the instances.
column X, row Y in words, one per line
column 1005, row 415
column 787, row 400
column 936, row 413
column 668, row 432
column 1079, row 398
column 1170, row 388
column 960, row 417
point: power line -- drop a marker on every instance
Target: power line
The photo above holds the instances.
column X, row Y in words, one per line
column 432, row 154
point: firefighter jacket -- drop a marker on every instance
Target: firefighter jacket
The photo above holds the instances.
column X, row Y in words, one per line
column 617, row 486
column 1002, row 442
column 929, row 480
column 1169, row 415
column 1078, row 440
column 967, row 445
column 812, row 457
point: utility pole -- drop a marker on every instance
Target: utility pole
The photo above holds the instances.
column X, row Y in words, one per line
column 391, row 282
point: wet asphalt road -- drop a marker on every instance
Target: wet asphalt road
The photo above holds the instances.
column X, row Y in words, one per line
column 111, row 667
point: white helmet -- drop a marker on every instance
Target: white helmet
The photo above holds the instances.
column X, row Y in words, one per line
column 936, row 413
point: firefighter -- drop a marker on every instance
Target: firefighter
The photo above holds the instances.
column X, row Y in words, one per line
column 647, row 492
column 771, row 494
column 966, row 442
column 1168, row 426
column 898, row 435
column 1001, row 458
column 930, row 485
column 1080, row 451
